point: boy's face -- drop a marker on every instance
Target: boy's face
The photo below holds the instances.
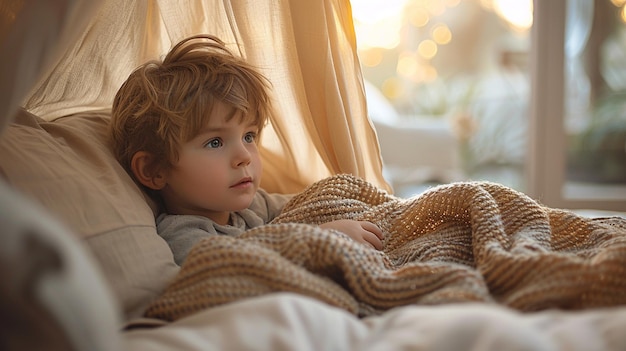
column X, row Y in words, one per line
column 218, row 171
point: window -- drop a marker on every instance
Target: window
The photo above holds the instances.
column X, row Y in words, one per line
column 496, row 90
column 578, row 118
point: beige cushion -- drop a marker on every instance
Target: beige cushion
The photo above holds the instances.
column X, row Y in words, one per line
column 67, row 166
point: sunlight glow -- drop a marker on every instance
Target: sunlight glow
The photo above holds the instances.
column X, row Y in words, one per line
column 376, row 26
column 384, row 34
column 382, row 28
column 370, row 11
column 619, row 3
column 519, row 14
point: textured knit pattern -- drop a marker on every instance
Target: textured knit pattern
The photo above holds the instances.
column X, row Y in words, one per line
column 461, row 242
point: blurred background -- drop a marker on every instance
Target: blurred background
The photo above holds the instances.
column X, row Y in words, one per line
column 450, row 93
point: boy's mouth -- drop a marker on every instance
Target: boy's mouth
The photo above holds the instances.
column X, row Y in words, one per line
column 242, row 182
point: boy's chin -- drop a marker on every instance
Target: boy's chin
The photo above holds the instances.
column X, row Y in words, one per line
column 243, row 205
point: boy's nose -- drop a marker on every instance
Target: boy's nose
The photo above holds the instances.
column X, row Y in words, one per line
column 244, row 162
column 242, row 156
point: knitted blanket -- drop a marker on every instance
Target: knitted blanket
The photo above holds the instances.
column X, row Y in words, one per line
column 461, row 242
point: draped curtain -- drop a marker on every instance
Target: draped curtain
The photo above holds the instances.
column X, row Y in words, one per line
column 72, row 56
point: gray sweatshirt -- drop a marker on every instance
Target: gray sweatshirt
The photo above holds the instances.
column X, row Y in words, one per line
column 182, row 232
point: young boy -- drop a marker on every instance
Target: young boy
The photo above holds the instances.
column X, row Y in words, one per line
column 187, row 130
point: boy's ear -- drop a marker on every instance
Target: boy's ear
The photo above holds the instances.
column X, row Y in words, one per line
column 142, row 165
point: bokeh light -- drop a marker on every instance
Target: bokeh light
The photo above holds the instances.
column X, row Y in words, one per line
column 427, row 49
column 441, row 34
column 393, row 89
column 407, row 65
column 372, row 57
column 418, row 16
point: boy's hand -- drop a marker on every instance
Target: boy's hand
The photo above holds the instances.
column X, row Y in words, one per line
column 366, row 233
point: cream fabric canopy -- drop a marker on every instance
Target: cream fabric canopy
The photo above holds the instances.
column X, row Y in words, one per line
column 306, row 48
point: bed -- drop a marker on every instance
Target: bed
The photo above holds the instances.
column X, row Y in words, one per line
column 83, row 262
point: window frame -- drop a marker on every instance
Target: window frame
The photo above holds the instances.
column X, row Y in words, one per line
column 546, row 154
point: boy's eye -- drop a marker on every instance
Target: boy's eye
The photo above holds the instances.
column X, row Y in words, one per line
column 249, row 137
column 213, row 144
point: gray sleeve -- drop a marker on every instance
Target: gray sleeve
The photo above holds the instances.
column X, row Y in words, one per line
column 182, row 232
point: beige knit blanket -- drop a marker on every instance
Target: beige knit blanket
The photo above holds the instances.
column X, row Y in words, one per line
column 470, row 241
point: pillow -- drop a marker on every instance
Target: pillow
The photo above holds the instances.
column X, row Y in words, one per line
column 67, row 166
column 51, row 291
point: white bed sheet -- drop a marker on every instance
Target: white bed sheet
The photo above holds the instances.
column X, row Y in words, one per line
column 290, row 322
column 275, row 322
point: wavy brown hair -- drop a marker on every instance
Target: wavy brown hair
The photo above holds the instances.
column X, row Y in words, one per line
column 165, row 103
